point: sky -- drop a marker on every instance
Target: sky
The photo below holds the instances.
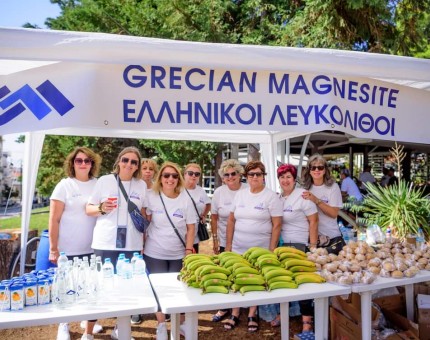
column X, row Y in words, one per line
column 15, row 13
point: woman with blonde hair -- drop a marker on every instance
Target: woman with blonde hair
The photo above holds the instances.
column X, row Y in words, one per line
column 70, row 229
column 171, row 233
column 149, row 171
column 199, row 197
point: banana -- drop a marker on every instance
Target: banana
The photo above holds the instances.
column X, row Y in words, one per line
column 215, row 289
column 232, row 261
column 235, row 287
column 221, row 276
column 278, row 272
column 268, row 262
column 268, row 256
column 196, row 264
column 249, row 251
column 288, row 255
column 190, row 278
column 309, row 278
column 240, row 264
column 194, row 257
column 251, row 288
column 268, row 268
column 193, row 284
column 215, row 282
column 258, row 252
column 282, row 278
column 208, row 269
column 279, row 285
column 249, row 270
column 296, row 269
column 295, row 262
column 238, row 276
column 250, row 280
column 281, row 250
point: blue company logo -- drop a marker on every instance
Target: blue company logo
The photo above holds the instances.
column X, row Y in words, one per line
column 34, row 101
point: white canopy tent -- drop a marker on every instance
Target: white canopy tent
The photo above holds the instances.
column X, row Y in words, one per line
column 71, row 83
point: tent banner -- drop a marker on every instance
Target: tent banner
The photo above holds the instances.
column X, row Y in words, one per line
column 155, row 97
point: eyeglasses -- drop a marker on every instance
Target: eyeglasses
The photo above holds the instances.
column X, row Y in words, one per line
column 253, row 174
column 231, row 174
column 193, row 173
column 132, row 161
column 79, row 161
column 167, row 175
column 317, row 167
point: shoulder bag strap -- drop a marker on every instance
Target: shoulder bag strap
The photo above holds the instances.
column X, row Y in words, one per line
column 130, row 204
column 174, row 228
column 195, row 206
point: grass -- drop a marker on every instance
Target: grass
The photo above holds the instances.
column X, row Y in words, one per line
column 38, row 220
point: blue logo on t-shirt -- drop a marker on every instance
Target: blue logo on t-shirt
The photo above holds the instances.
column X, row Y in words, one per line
column 178, row 213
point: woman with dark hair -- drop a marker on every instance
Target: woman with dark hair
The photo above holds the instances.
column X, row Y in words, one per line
column 299, row 225
column 70, row 229
column 171, row 232
column 255, row 221
column 114, row 232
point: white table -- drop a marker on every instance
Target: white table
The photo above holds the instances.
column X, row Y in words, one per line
column 175, row 297
column 366, row 292
column 136, row 297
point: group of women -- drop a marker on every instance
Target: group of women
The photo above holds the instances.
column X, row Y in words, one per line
column 90, row 215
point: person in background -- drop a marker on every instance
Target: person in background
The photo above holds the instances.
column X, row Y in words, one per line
column 108, row 204
column 348, row 187
column 322, row 190
column 255, row 221
column 366, row 177
column 392, row 177
column 169, row 207
column 192, row 173
column 299, row 226
column 149, row 171
column 230, row 172
column 385, row 177
column 70, row 229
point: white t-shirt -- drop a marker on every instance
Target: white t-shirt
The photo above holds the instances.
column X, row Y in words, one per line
column 200, row 198
column 333, row 197
column 295, row 225
column 162, row 242
column 253, row 214
column 106, row 227
column 76, row 227
column 221, row 205
column 349, row 186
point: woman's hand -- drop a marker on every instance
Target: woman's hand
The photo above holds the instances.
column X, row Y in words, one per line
column 53, row 256
column 215, row 244
column 307, row 195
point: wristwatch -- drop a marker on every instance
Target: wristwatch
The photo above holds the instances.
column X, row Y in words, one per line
column 318, row 202
column 101, row 210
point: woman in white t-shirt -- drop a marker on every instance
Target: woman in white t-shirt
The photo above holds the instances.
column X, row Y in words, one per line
column 230, row 172
column 299, row 225
column 255, row 220
column 170, row 234
column 192, row 173
column 70, row 228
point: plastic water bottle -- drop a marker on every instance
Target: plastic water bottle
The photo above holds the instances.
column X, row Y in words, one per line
column 62, row 260
column 99, row 269
column 108, row 274
column 127, row 270
column 59, row 290
column 388, row 234
column 139, row 267
column 119, row 264
column 133, row 259
column 344, row 231
column 420, row 240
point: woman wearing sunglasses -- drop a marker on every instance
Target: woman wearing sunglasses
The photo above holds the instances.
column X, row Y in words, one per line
column 114, row 232
column 171, row 233
column 230, row 172
column 70, row 229
column 255, row 221
column 192, row 173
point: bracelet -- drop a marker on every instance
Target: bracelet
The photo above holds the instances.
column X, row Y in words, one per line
column 188, row 249
column 318, row 202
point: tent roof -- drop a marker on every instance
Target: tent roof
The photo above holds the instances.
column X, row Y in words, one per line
column 21, row 49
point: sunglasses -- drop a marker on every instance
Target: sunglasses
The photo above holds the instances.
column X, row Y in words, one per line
column 167, row 175
column 132, row 161
column 79, row 161
column 193, row 173
column 317, row 167
column 253, row 174
column 231, row 174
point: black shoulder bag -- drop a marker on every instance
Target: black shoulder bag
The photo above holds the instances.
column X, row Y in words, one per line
column 174, row 228
column 202, row 230
column 140, row 222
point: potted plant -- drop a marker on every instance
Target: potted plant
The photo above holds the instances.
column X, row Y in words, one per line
column 402, row 206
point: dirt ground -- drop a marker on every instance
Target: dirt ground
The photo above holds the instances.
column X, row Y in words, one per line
column 208, row 330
